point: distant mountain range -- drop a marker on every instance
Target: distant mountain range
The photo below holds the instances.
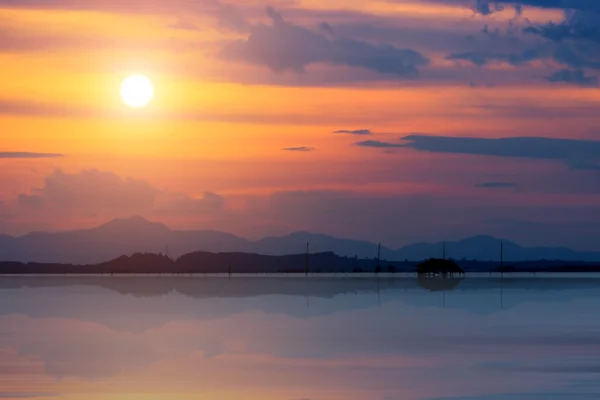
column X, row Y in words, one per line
column 136, row 234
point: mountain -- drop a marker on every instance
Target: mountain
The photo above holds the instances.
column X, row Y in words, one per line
column 136, row 234
column 318, row 243
column 487, row 248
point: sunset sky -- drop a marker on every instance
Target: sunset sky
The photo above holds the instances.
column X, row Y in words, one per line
column 387, row 120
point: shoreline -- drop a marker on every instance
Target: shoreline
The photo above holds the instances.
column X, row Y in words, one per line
column 316, row 275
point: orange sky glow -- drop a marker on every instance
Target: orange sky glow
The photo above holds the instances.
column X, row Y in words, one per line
column 231, row 95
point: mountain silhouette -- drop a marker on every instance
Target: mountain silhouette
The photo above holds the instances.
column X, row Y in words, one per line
column 136, row 234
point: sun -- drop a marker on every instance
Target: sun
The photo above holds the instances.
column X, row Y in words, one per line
column 137, row 91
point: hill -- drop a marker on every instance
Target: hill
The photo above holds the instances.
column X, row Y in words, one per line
column 249, row 263
column 200, row 262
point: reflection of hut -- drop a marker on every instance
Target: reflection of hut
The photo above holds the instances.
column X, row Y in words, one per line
column 440, row 284
column 435, row 266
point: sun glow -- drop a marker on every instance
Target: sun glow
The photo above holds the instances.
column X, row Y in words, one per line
column 137, row 91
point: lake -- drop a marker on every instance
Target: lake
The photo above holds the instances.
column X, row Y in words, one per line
column 315, row 338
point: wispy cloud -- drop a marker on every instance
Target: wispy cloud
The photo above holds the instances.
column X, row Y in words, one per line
column 484, row 57
column 301, row 148
column 21, row 154
column 355, row 132
column 378, row 144
column 496, row 185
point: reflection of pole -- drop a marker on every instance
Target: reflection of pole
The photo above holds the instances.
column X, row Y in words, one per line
column 444, row 298
column 306, row 293
column 378, row 295
column 501, row 294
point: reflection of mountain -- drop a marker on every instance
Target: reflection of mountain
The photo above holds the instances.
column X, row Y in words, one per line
column 327, row 287
column 216, row 287
column 134, row 304
column 134, row 235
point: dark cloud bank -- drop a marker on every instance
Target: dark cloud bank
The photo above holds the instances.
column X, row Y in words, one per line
column 577, row 154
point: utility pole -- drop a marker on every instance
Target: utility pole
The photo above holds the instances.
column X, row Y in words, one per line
column 501, row 258
column 306, row 263
column 378, row 256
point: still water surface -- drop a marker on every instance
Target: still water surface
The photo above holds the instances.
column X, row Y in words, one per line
column 290, row 339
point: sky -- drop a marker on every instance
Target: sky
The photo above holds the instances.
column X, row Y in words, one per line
column 386, row 120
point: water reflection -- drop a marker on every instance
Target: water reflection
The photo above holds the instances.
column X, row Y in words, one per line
column 299, row 338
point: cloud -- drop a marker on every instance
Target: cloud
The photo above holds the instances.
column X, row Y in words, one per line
column 576, row 39
column 585, row 5
column 577, row 25
column 574, row 42
column 29, row 155
column 301, row 148
column 378, row 144
column 25, row 395
column 226, row 15
column 483, row 58
column 92, row 189
column 355, row 132
column 184, row 25
column 487, row 7
column 496, row 185
column 522, row 396
column 93, row 192
column 326, row 28
column 577, row 154
column 14, row 40
column 283, row 46
column 575, row 77
column 181, row 203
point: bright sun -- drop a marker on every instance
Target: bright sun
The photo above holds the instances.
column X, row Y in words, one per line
column 137, row 91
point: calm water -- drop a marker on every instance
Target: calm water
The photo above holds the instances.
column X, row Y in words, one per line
column 295, row 338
